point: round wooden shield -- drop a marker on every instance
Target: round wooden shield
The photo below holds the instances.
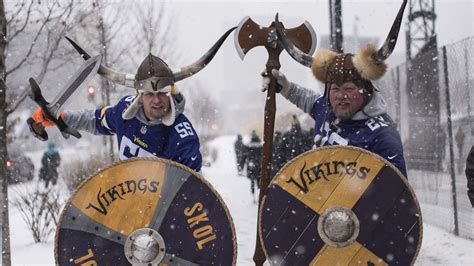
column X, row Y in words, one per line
column 340, row 205
column 145, row 211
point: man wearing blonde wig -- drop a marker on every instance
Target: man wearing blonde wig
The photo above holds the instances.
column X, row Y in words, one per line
column 351, row 111
column 150, row 123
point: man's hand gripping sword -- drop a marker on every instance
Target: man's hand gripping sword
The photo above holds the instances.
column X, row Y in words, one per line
column 51, row 110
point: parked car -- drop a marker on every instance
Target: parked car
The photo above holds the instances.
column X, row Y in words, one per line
column 20, row 168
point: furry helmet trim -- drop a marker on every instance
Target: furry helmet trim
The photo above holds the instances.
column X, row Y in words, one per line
column 365, row 66
column 155, row 76
column 330, row 67
column 321, row 62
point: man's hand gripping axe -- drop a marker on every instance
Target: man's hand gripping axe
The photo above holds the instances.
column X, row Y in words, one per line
column 52, row 110
column 247, row 36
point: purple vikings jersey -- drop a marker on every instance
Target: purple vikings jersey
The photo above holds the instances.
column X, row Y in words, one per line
column 178, row 142
column 374, row 134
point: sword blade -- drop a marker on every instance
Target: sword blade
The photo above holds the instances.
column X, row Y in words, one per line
column 83, row 75
column 76, row 46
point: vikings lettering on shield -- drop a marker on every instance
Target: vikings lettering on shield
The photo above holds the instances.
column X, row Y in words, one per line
column 325, row 171
column 104, row 200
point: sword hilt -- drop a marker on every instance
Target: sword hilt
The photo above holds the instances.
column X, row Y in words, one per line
column 66, row 131
column 37, row 129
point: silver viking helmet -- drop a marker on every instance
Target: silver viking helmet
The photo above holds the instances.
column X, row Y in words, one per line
column 153, row 75
column 362, row 68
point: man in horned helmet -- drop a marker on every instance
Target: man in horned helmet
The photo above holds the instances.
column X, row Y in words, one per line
column 351, row 111
column 150, row 123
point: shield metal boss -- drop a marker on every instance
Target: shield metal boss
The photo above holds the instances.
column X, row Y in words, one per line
column 340, row 205
column 145, row 211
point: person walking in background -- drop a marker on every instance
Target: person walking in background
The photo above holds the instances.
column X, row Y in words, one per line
column 279, row 155
column 290, row 144
column 294, row 140
column 239, row 154
column 49, row 165
column 253, row 161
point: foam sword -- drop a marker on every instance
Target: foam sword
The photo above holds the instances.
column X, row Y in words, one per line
column 52, row 109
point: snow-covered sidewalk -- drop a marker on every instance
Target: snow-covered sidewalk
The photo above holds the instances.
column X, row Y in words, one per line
column 439, row 247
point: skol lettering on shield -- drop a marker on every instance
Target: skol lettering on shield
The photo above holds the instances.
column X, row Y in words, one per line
column 105, row 199
column 204, row 232
column 324, row 171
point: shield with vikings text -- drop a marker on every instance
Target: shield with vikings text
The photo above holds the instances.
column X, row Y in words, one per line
column 145, row 211
column 340, row 205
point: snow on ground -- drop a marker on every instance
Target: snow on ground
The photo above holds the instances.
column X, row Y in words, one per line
column 442, row 248
column 438, row 248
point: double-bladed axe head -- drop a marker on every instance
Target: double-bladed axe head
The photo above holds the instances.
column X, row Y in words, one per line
column 249, row 35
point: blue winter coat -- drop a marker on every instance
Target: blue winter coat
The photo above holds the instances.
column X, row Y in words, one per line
column 376, row 134
column 372, row 129
column 137, row 138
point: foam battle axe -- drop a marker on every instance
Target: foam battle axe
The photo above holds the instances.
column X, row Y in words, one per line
column 247, row 36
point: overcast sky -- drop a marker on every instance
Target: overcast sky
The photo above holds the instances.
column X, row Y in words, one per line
column 206, row 19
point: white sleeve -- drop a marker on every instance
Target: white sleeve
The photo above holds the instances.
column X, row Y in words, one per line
column 302, row 97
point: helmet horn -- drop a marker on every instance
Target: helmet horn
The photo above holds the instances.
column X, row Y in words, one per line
column 192, row 69
column 297, row 54
column 387, row 48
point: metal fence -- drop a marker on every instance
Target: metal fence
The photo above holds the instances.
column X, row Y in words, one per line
column 431, row 101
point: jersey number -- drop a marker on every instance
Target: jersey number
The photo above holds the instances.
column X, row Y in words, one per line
column 184, row 129
column 374, row 124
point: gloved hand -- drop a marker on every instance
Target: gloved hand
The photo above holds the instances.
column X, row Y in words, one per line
column 282, row 81
column 37, row 123
column 40, row 118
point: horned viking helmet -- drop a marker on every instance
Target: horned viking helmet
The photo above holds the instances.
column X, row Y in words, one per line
column 330, row 67
column 155, row 75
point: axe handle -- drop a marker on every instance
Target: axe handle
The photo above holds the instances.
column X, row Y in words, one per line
column 269, row 125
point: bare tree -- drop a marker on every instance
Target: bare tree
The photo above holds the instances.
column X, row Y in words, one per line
column 4, row 222
column 153, row 32
column 39, row 27
column 39, row 208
